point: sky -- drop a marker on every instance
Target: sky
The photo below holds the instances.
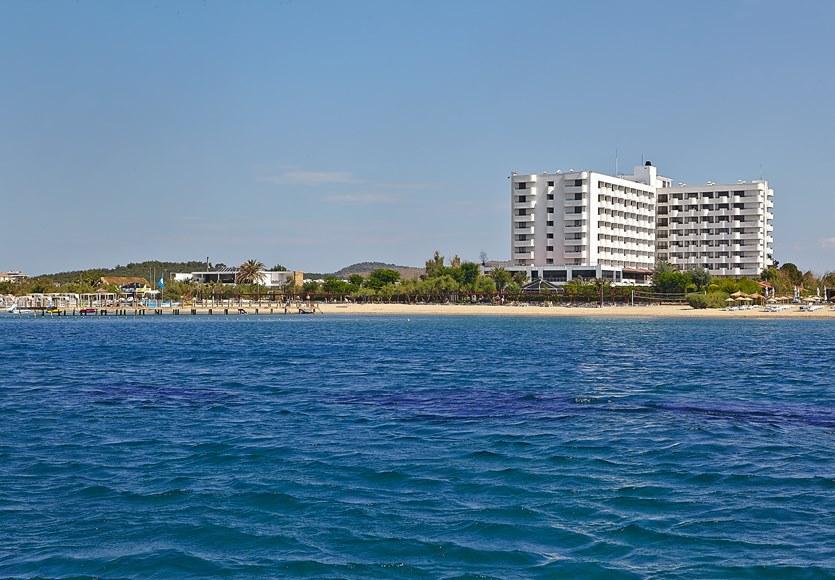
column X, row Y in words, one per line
column 317, row 134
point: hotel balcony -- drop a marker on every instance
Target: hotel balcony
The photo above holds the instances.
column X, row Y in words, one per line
column 530, row 204
column 524, row 230
column 576, row 229
column 576, row 188
column 523, row 255
column 576, row 203
column 576, row 255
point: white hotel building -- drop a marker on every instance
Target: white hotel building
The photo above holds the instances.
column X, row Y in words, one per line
column 584, row 224
column 587, row 224
column 726, row 229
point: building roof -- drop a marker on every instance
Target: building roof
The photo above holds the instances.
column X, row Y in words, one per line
column 123, row 281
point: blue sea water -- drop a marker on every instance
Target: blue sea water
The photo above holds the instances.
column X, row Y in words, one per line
column 426, row 447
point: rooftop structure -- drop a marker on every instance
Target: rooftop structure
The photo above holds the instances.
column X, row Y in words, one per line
column 12, row 276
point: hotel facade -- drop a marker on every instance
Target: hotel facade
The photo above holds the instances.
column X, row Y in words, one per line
column 587, row 224
column 726, row 229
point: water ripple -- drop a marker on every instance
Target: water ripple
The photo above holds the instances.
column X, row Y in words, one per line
column 440, row 448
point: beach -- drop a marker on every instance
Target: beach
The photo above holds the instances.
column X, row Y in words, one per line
column 660, row 311
column 525, row 310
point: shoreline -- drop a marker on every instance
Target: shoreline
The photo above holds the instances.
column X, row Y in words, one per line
column 653, row 311
column 350, row 309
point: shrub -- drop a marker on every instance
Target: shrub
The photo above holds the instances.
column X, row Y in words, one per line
column 714, row 299
column 697, row 300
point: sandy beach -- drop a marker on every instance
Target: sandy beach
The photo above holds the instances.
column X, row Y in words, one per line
column 343, row 309
column 662, row 311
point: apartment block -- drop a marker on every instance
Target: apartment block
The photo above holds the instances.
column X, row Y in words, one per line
column 726, row 229
column 584, row 224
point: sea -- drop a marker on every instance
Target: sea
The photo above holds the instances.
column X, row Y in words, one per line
column 416, row 447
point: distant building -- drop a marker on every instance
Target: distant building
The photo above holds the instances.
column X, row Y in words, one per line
column 12, row 276
column 269, row 278
column 126, row 284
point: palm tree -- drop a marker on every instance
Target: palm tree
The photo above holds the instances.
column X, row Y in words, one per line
column 250, row 272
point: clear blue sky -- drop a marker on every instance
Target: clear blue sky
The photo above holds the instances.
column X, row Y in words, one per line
column 316, row 134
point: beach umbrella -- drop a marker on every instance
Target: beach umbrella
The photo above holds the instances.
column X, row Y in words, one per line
column 729, row 299
column 738, row 294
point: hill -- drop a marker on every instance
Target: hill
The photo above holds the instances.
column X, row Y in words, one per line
column 365, row 268
column 143, row 269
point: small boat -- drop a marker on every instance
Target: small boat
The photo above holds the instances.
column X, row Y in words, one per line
column 88, row 311
column 14, row 309
column 53, row 310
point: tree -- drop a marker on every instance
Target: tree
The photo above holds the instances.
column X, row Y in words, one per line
column 793, row 273
column 667, row 282
column 278, row 268
column 485, row 285
column 356, row 280
column 662, row 267
column 435, row 265
column 455, row 262
column 469, row 274
column 700, row 277
column 310, row 286
column 809, row 281
column 483, row 257
column 249, row 272
column 501, row 277
column 445, row 284
column 334, row 285
column 382, row 277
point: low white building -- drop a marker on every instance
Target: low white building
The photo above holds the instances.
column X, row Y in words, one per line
column 725, row 228
column 268, row 278
column 12, row 276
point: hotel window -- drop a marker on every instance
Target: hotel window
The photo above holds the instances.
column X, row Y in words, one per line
column 550, row 196
column 549, row 248
column 550, row 210
column 550, row 184
column 549, row 223
column 522, row 198
column 550, row 236
column 521, row 185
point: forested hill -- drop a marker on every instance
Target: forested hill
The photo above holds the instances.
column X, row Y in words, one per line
column 143, row 269
column 365, row 268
